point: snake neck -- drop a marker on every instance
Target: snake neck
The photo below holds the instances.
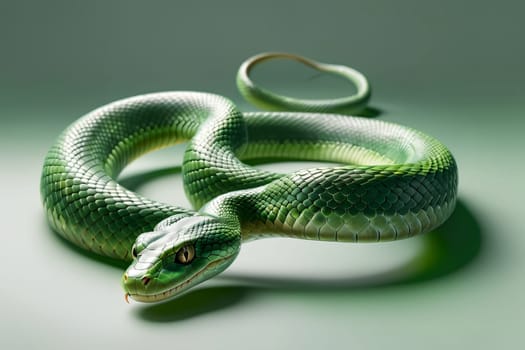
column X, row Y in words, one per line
column 212, row 166
column 239, row 210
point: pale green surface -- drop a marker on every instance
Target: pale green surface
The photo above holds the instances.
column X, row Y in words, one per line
column 55, row 297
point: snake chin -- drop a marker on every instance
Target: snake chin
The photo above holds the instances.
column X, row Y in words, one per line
column 169, row 262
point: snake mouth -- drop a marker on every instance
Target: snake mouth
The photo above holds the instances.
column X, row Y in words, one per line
column 151, row 298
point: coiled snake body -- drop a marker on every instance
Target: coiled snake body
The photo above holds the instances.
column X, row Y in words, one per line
column 397, row 182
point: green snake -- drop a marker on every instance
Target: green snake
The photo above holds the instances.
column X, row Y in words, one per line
column 393, row 182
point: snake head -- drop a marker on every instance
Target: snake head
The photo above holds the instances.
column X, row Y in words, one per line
column 172, row 260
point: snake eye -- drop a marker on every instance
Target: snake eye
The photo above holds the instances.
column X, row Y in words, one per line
column 134, row 252
column 185, row 255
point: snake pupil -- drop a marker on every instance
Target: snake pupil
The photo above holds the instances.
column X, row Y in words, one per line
column 185, row 255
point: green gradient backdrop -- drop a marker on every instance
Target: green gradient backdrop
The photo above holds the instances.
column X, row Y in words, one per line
column 453, row 69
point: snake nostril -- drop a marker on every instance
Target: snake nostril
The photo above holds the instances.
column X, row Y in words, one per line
column 146, row 280
column 125, row 277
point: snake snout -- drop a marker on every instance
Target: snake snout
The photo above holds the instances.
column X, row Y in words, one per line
column 145, row 280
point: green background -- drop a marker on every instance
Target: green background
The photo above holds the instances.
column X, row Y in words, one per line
column 453, row 69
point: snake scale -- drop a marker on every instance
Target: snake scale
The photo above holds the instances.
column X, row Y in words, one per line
column 393, row 182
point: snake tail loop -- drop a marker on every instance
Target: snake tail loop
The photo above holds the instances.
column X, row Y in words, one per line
column 266, row 99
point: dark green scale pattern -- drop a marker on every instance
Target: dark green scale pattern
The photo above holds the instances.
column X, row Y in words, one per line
column 430, row 180
column 417, row 174
column 79, row 190
column 85, row 203
column 350, row 190
column 211, row 166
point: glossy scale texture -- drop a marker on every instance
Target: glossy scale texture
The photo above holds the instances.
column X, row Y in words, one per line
column 397, row 182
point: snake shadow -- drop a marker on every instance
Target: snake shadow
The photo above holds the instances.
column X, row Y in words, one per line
column 370, row 112
column 446, row 250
